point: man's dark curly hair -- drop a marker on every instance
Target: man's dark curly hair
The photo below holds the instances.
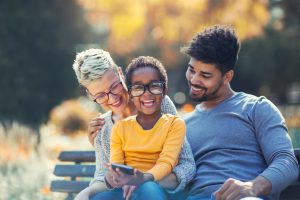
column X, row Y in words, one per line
column 146, row 61
column 216, row 45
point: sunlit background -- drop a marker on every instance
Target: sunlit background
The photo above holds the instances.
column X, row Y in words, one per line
column 43, row 110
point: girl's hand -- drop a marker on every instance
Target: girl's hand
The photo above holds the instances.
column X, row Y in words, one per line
column 119, row 178
column 110, row 177
column 94, row 127
column 127, row 191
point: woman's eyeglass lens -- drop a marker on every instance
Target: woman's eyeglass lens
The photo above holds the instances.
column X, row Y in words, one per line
column 103, row 97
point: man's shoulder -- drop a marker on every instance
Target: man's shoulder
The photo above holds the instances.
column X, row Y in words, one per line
column 246, row 98
column 251, row 103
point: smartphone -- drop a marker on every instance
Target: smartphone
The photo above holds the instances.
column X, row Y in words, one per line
column 123, row 168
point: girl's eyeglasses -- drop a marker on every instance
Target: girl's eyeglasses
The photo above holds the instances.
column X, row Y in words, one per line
column 155, row 87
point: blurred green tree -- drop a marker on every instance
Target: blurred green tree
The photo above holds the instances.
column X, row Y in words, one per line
column 38, row 39
column 269, row 65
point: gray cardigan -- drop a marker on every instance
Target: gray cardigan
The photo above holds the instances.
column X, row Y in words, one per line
column 185, row 169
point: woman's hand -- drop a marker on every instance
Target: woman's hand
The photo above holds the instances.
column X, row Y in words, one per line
column 94, row 127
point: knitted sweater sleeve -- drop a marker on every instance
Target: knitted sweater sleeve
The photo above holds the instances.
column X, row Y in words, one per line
column 102, row 148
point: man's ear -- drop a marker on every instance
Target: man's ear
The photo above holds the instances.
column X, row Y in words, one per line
column 228, row 76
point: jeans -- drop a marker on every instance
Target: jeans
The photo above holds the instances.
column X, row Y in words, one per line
column 108, row 195
column 147, row 191
column 200, row 197
column 211, row 197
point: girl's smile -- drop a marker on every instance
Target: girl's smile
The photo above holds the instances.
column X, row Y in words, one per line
column 146, row 78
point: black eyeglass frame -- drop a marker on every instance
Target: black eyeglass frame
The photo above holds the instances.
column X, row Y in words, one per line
column 94, row 98
column 148, row 88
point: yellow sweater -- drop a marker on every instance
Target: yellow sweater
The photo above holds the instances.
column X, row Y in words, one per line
column 152, row 151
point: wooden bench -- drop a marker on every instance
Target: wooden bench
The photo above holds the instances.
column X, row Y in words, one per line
column 81, row 167
column 79, row 172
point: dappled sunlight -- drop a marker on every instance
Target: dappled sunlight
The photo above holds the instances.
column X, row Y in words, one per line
column 44, row 38
column 55, row 142
column 131, row 25
column 26, row 166
column 72, row 116
column 17, row 143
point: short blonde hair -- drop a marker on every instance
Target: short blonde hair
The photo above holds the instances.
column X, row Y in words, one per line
column 91, row 64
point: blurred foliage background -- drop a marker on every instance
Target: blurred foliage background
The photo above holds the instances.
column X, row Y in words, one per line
column 42, row 108
column 39, row 41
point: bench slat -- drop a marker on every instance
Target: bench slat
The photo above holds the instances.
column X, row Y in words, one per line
column 74, row 170
column 291, row 192
column 77, row 156
column 68, row 186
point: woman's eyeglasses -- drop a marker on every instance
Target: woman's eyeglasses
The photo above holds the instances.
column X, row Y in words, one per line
column 155, row 87
column 103, row 97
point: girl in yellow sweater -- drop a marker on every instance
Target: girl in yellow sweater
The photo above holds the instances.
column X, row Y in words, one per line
column 150, row 141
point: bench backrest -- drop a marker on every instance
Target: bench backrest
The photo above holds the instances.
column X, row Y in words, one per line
column 79, row 171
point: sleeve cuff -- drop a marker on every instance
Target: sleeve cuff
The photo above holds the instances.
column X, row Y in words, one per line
column 273, row 180
column 160, row 171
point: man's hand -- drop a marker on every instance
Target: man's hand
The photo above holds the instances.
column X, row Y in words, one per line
column 127, row 191
column 94, row 127
column 234, row 189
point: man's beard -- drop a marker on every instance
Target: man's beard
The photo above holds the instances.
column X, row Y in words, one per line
column 200, row 99
column 205, row 96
